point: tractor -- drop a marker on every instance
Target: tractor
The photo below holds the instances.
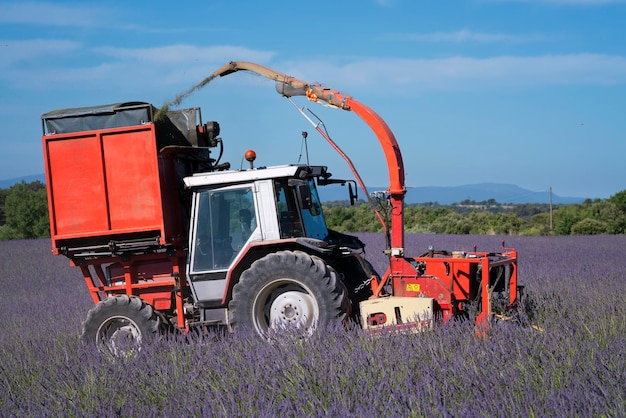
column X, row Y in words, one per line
column 169, row 237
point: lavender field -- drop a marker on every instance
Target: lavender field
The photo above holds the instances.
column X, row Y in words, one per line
column 576, row 367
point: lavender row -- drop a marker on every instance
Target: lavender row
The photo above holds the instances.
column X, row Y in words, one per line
column 575, row 367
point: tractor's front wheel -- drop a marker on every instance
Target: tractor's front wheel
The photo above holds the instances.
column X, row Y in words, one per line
column 119, row 325
column 287, row 291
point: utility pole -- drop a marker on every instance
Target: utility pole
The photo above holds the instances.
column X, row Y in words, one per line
column 550, row 208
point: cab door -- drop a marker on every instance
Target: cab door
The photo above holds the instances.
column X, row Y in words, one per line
column 224, row 220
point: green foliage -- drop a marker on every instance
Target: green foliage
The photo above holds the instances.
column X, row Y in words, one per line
column 619, row 200
column 609, row 214
column 589, row 226
column 25, row 211
column 565, row 218
column 3, row 197
column 591, row 218
column 419, row 218
column 539, row 224
column 507, row 224
column 450, row 223
column 359, row 218
column 469, row 217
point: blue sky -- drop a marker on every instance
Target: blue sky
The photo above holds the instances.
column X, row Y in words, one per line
column 527, row 92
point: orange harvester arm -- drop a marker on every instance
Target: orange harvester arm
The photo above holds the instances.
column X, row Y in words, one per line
column 292, row 86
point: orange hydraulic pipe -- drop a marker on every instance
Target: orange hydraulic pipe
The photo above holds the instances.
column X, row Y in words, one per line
column 395, row 166
column 290, row 86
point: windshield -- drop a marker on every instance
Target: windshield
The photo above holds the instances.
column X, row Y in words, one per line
column 297, row 222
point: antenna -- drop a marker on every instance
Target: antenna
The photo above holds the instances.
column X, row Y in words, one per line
column 306, row 148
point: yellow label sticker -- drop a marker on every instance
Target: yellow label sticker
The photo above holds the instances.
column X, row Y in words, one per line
column 412, row 287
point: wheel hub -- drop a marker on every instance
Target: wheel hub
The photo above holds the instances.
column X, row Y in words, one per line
column 119, row 335
column 292, row 309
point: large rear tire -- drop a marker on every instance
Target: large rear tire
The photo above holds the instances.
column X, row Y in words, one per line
column 287, row 292
column 120, row 325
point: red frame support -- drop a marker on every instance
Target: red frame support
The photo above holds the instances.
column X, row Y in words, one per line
column 450, row 281
column 158, row 278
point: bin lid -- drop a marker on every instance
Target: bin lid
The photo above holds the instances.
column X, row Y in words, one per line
column 97, row 117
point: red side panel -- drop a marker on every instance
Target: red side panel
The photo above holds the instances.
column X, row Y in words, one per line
column 132, row 174
column 75, row 168
column 104, row 183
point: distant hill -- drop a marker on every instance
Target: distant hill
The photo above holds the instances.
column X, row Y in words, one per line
column 5, row 184
column 501, row 193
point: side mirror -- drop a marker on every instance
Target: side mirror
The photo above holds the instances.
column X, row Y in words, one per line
column 353, row 194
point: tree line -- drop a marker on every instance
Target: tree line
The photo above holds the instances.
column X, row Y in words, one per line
column 592, row 217
column 24, row 215
column 24, row 211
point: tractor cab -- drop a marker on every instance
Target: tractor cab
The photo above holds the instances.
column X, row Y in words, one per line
column 232, row 211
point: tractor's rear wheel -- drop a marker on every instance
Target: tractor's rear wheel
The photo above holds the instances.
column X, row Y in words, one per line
column 119, row 325
column 287, row 291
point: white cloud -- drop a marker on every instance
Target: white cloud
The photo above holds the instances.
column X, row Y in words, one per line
column 15, row 51
column 188, row 54
column 28, row 65
column 52, row 14
column 413, row 75
column 465, row 35
column 39, row 65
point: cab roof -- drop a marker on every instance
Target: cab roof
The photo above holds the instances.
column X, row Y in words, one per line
column 261, row 173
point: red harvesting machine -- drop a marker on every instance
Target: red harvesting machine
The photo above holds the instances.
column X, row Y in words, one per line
column 169, row 237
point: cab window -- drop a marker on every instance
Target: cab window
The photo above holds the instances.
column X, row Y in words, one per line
column 225, row 220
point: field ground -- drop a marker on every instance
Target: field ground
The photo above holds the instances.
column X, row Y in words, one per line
column 576, row 367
